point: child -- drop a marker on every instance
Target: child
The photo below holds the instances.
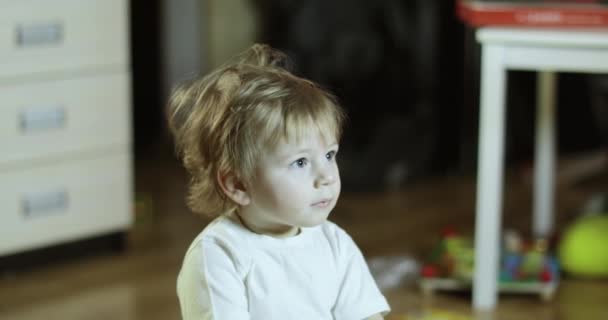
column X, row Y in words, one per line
column 261, row 144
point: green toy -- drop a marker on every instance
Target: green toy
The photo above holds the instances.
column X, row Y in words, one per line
column 583, row 249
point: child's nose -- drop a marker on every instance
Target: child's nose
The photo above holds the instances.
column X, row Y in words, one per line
column 325, row 177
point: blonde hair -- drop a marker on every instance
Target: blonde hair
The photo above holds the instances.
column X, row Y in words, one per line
column 223, row 122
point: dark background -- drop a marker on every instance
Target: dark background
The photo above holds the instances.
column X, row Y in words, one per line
column 407, row 73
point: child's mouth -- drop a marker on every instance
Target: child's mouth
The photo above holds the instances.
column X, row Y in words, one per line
column 322, row 204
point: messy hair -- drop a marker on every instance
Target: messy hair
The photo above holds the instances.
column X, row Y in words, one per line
column 223, row 123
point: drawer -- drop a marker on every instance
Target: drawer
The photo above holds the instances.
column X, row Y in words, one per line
column 47, row 119
column 62, row 35
column 72, row 200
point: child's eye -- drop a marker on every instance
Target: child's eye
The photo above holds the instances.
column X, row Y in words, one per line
column 330, row 155
column 300, row 163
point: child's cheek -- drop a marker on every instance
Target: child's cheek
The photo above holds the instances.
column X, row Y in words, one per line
column 293, row 194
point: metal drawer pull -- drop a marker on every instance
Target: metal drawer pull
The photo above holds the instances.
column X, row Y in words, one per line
column 39, row 34
column 44, row 203
column 42, row 119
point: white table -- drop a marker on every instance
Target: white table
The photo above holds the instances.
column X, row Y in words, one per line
column 547, row 51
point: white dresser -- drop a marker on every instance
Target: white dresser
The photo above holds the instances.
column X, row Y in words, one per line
column 65, row 137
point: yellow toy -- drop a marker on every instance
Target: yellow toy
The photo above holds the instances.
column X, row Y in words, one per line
column 583, row 251
column 432, row 315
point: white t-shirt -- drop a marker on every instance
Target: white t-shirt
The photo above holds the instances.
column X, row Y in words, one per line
column 230, row 273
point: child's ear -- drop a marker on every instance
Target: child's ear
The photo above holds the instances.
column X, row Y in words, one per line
column 233, row 188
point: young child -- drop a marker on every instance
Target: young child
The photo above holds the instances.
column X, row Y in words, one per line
column 261, row 144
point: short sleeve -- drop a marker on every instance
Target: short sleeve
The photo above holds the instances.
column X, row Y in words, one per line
column 359, row 296
column 209, row 286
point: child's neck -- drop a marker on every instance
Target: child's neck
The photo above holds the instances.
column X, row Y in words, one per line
column 290, row 232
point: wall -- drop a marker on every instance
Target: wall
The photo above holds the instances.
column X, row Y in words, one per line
column 232, row 27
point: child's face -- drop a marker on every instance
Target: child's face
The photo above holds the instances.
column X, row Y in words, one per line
column 295, row 186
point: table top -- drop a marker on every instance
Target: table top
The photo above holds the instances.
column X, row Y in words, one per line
column 577, row 37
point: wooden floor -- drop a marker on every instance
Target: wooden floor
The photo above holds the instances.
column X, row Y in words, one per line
column 140, row 283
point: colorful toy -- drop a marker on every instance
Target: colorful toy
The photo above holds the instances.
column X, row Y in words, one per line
column 452, row 257
column 583, row 249
column 525, row 267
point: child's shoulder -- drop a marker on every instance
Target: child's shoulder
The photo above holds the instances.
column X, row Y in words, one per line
column 222, row 229
column 337, row 237
column 333, row 231
column 223, row 232
column 219, row 244
column 234, row 239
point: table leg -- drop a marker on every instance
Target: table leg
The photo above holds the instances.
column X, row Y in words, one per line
column 490, row 177
column 544, row 164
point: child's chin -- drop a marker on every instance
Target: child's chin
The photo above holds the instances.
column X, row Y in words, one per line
column 314, row 221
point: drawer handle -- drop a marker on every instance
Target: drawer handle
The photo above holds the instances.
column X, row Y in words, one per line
column 44, row 203
column 42, row 119
column 39, row 34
